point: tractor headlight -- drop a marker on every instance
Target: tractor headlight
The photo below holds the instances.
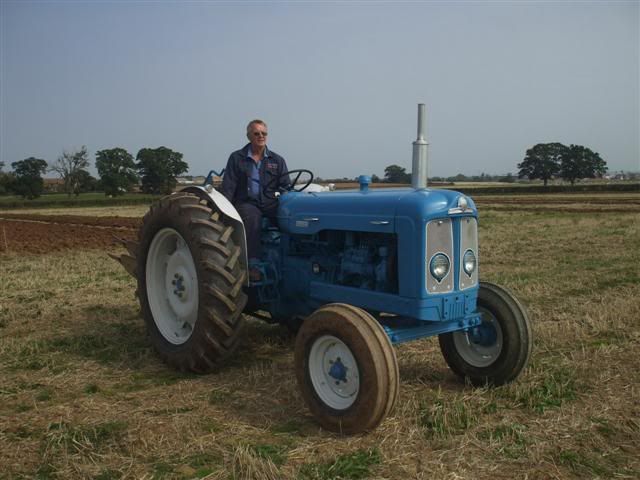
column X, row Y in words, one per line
column 469, row 262
column 439, row 266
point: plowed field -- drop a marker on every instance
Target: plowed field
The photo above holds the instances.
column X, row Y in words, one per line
column 50, row 233
column 39, row 233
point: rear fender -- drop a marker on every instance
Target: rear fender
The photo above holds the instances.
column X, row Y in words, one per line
column 219, row 202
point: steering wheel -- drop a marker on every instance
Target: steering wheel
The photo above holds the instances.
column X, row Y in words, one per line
column 272, row 189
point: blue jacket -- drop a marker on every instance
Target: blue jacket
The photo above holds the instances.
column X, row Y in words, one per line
column 237, row 175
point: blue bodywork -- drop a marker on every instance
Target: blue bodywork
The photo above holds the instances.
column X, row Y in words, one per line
column 366, row 248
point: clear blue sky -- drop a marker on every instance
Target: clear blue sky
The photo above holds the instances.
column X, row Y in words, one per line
column 337, row 82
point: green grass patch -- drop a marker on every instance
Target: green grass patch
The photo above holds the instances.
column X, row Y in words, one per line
column 46, row 471
column 43, row 395
column 169, row 411
column 108, row 474
column 556, row 387
column 509, row 440
column 161, row 376
column 288, row 427
column 351, row 466
column 203, row 459
column 445, row 417
column 81, row 437
column 20, row 432
column 62, row 200
column 609, row 337
column 219, row 397
column 115, row 343
column 163, row 470
column 91, row 388
column 276, row 453
column 584, row 465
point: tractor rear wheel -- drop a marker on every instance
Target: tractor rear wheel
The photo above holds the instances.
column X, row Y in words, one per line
column 496, row 351
column 190, row 283
column 346, row 368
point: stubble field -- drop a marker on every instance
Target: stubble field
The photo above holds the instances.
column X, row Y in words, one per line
column 82, row 395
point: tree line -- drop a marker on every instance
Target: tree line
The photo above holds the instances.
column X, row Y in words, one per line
column 155, row 169
column 543, row 161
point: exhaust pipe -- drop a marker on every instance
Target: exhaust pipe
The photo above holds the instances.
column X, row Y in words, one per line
column 419, row 164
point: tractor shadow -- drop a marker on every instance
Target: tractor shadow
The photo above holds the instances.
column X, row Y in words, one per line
column 111, row 336
column 421, row 364
column 256, row 385
column 117, row 336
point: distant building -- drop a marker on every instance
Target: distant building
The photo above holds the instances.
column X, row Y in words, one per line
column 198, row 180
column 53, row 185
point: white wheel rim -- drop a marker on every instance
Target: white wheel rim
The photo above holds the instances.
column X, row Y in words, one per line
column 334, row 372
column 475, row 353
column 172, row 286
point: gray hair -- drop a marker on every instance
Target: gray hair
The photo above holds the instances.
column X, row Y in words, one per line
column 257, row 121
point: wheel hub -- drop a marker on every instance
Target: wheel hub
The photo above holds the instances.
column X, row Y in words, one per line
column 338, row 371
column 334, row 372
column 484, row 335
column 172, row 286
column 480, row 346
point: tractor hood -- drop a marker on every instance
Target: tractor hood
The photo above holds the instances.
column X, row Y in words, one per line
column 373, row 210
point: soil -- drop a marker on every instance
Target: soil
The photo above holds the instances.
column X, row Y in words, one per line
column 34, row 233
column 48, row 233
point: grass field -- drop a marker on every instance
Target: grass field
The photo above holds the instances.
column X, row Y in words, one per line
column 62, row 200
column 82, row 395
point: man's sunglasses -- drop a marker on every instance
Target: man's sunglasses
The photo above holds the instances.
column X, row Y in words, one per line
column 260, row 134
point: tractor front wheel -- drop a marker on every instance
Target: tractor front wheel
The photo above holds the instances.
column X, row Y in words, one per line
column 190, row 283
column 497, row 350
column 346, row 368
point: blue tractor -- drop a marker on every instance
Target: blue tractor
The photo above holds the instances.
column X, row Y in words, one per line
column 352, row 272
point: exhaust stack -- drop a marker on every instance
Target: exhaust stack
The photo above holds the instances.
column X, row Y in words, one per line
column 420, row 158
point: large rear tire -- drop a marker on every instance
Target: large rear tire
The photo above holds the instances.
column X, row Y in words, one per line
column 495, row 352
column 346, row 368
column 190, row 283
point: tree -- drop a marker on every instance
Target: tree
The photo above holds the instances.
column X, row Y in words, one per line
column 542, row 161
column 158, row 169
column 396, row 174
column 28, row 177
column 5, row 180
column 86, row 182
column 581, row 162
column 71, row 166
column 117, row 170
column 461, row 177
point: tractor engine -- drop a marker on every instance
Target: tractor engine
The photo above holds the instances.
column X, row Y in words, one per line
column 364, row 263
column 355, row 259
